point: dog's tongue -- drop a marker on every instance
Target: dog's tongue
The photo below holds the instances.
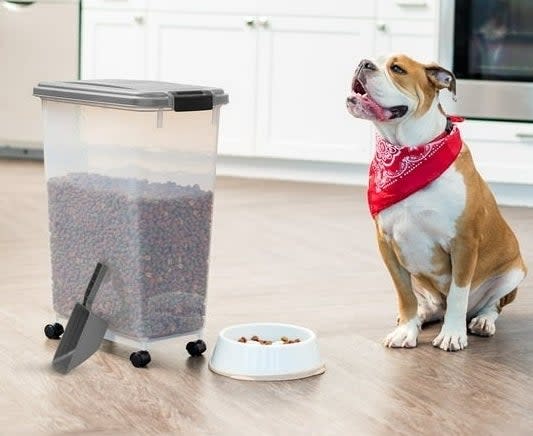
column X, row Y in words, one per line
column 380, row 113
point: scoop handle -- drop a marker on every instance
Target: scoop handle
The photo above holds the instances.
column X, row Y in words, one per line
column 94, row 284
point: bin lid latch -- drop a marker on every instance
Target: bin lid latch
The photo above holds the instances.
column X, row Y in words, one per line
column 186, row 101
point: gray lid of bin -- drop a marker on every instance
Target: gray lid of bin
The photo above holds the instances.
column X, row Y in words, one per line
column 135, row 94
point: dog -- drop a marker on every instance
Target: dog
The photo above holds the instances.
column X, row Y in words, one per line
column 451, row 255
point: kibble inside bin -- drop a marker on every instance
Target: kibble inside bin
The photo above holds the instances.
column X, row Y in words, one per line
column 130, row 168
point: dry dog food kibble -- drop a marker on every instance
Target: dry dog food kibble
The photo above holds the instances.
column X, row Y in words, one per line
column 284, row 340
column 153, row 236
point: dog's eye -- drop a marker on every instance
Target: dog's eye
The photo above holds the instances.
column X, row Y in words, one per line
column 397, row 69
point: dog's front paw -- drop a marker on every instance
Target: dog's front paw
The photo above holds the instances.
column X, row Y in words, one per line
column 451, row 339
column 482, row 326
column 404, row 336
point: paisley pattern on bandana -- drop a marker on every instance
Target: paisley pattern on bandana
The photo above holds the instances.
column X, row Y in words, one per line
column 391, row 165
column 397, row 172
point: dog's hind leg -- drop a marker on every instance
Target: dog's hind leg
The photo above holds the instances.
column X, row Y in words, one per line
column 484, row 322
column 497, row 292
column 431, row 308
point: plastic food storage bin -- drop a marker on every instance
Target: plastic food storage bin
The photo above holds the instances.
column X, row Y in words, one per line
column 130, row 169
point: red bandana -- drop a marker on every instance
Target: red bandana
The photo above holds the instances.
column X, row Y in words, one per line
column 397, row 172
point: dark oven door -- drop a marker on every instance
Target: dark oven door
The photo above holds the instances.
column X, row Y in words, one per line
column 489, row 46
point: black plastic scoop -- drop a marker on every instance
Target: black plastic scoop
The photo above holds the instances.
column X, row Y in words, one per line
column 85, row 331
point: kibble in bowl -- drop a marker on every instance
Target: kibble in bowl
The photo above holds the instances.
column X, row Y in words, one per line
column 266, row 352
column 256, row 340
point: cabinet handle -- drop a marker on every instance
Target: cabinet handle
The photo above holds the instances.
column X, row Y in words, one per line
column 249, row 21
column 263, row 22
column 15, row 5
column 139, row 19
column 381, row 26
column 521, row 135
column 20, row 2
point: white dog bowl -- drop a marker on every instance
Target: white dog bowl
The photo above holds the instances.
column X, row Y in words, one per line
column 252, row 361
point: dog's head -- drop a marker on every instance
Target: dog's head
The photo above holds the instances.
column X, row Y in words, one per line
column 395, row 88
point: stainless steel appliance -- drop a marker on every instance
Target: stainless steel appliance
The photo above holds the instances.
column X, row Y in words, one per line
column 39, row 40
column 489, row 46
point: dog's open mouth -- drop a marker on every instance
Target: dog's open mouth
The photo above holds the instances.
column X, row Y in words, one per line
column 357, row 87
column 367, row 107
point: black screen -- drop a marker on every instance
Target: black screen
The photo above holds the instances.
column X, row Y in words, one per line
column 493, row 39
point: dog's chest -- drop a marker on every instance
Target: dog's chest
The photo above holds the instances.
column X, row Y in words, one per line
column 425, row 221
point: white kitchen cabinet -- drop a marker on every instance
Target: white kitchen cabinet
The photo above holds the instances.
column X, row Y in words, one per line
column 417, row 39
column 407, row 26
column 287, row 75
column 502, row 151
column 287, row 79
column 212, row 50
column 113, row 44
column 29, row 56
column 287, row 68
column 305, row 71
column 408, row 9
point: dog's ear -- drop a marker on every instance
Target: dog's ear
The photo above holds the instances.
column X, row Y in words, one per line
column 441, row 78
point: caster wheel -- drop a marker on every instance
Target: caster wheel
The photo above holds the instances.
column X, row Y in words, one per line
column 139, row 359
column 196, row 348
column 53, row 331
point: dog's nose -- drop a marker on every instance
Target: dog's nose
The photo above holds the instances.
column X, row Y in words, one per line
column 366, row 64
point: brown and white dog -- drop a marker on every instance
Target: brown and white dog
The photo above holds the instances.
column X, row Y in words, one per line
column 450, row 253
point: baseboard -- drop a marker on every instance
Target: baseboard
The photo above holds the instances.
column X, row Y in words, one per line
column 293, row 170
column 511, row 194
column 7, row 152
column 507, row 194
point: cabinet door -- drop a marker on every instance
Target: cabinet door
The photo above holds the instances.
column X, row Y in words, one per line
column 219, row 51
column 29, row 57
column 113, row 45
column 413, row 38
column 306, row 66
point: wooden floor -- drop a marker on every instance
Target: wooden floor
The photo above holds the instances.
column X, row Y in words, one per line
column 298, row 253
